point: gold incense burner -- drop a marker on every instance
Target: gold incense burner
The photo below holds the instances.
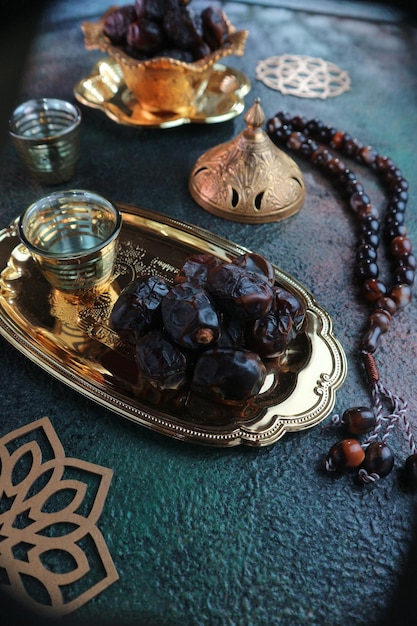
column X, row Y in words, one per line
column 248, row 179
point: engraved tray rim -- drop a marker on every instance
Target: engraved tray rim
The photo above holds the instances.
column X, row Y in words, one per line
column 255, row 432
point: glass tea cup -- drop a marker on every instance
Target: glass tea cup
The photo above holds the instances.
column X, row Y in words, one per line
column 46, row 135
column 72, row 235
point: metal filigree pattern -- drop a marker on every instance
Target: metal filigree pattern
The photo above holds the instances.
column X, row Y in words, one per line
column 263, row 189
column 303, row 76
column 130, row 258
column 53, row 557
column 248, row 179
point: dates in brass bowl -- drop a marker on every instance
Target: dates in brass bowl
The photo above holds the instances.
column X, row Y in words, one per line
column 163, row 83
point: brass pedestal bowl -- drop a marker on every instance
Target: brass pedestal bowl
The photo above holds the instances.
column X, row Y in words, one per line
column 162, row 84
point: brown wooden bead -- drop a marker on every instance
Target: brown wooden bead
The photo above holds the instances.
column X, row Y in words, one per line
column 400, row 245
column 299, row 122
column 347, row 137
column 377, row 325
column 368, row 210
column 400, row 195
column 382, row 318
column 314, row 125
column 295, row 140
column 351, row 147
column 335, row 167
column 386, row 304
column 354, row 186
column 392, row 175
column 285, row 117
column 369, row 227
column 358, row 200
column 395, row 230
column 379, row 459
column 347, row 176
column 271, row 125
column 359, row 420
column 367, row 269
column 400, row 185
column 371, row 338
column 366, row 251
column 404, row 275
column 394, row 218
column 346, row 455
column 325, row 134
column 369, row 237
column 282, row 133
column 397, row 206
column 370, row 222
column 368, row 155
column 337, row 139
column 401, row 294
column 384, row 163
column 321, row 156
column 373, row 289
column 407, row 260
column 410, row 471
column 308, row 147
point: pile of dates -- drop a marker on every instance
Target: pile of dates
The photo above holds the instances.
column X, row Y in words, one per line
column 212, row 331
column 168, row 28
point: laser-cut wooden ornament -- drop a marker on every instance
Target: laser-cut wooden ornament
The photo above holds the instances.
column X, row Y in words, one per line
column 53, row 557
column 303, row 76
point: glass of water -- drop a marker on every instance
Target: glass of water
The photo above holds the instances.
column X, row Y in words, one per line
column 46, row 134
column 72, row 235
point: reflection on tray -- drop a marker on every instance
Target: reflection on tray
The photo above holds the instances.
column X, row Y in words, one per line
column 106, row 90
column 69, row 337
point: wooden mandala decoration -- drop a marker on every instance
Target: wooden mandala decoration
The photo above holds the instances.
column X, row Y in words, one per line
column 303, row 76
column 53, row 558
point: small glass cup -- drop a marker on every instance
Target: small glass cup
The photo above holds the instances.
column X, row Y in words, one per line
column 72, row 236
column 46, row 134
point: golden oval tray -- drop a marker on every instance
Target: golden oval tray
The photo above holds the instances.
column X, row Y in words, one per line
column 68, row 336
column 105, row 89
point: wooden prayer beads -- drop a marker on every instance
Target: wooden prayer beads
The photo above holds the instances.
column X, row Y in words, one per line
column 317, row 142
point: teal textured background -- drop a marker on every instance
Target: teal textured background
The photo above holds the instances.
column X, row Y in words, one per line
column 240, row 536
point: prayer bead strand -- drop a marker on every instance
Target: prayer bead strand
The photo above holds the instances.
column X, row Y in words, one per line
column 315, row 141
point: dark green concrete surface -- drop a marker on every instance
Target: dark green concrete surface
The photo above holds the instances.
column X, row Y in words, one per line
column 239, row 537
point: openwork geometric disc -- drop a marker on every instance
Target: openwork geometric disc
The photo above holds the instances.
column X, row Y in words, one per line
column 303, row 76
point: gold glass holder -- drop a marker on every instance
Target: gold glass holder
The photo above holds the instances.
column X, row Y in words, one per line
column 248, row 179
column 72, row 236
